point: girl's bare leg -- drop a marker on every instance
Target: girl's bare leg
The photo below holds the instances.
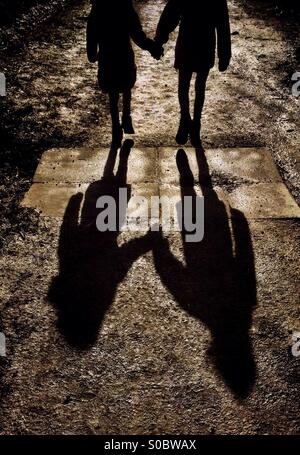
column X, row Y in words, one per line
column 185, row 77
column 127, row 120
column 114, row 108
column 127, row 103
column 117, row 133
column 200, row 86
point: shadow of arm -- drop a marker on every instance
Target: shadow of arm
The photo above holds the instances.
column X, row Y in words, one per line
column 136, row 248
column 244, row 259
column 171, row 271
column 69, row 229
column 68, row 238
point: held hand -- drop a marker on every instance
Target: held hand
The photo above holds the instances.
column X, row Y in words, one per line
column 158, row 240
column 160, row 53
column 156, row 50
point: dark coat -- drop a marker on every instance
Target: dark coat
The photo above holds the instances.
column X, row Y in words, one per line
column 200, row 21
column 111, row 26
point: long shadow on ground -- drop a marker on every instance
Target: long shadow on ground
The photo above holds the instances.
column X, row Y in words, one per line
column 218, row 284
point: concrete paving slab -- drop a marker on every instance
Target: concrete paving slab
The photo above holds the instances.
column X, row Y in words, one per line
column 258, row 201
column 51, row 199
column 215, row 202
column 264, row 200
column 86, row 165
column 240, row 165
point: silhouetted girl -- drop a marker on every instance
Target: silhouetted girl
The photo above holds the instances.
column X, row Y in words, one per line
column 200, row 21
column 111, row 26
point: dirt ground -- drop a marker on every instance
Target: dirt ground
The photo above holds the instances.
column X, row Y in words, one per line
column 148, row 371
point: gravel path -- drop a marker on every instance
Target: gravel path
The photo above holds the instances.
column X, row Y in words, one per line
column 149, row 370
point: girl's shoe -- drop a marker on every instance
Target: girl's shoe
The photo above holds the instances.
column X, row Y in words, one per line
column 127, row 124
column 195, row 135
column 182, row 135
column 117, row 136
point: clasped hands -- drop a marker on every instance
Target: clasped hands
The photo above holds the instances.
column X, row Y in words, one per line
column 156, row 50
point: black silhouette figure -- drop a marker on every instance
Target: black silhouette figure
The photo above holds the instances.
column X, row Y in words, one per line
column 91, row 263
column 111, row 26
column 218, row 283
column 200, row 22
